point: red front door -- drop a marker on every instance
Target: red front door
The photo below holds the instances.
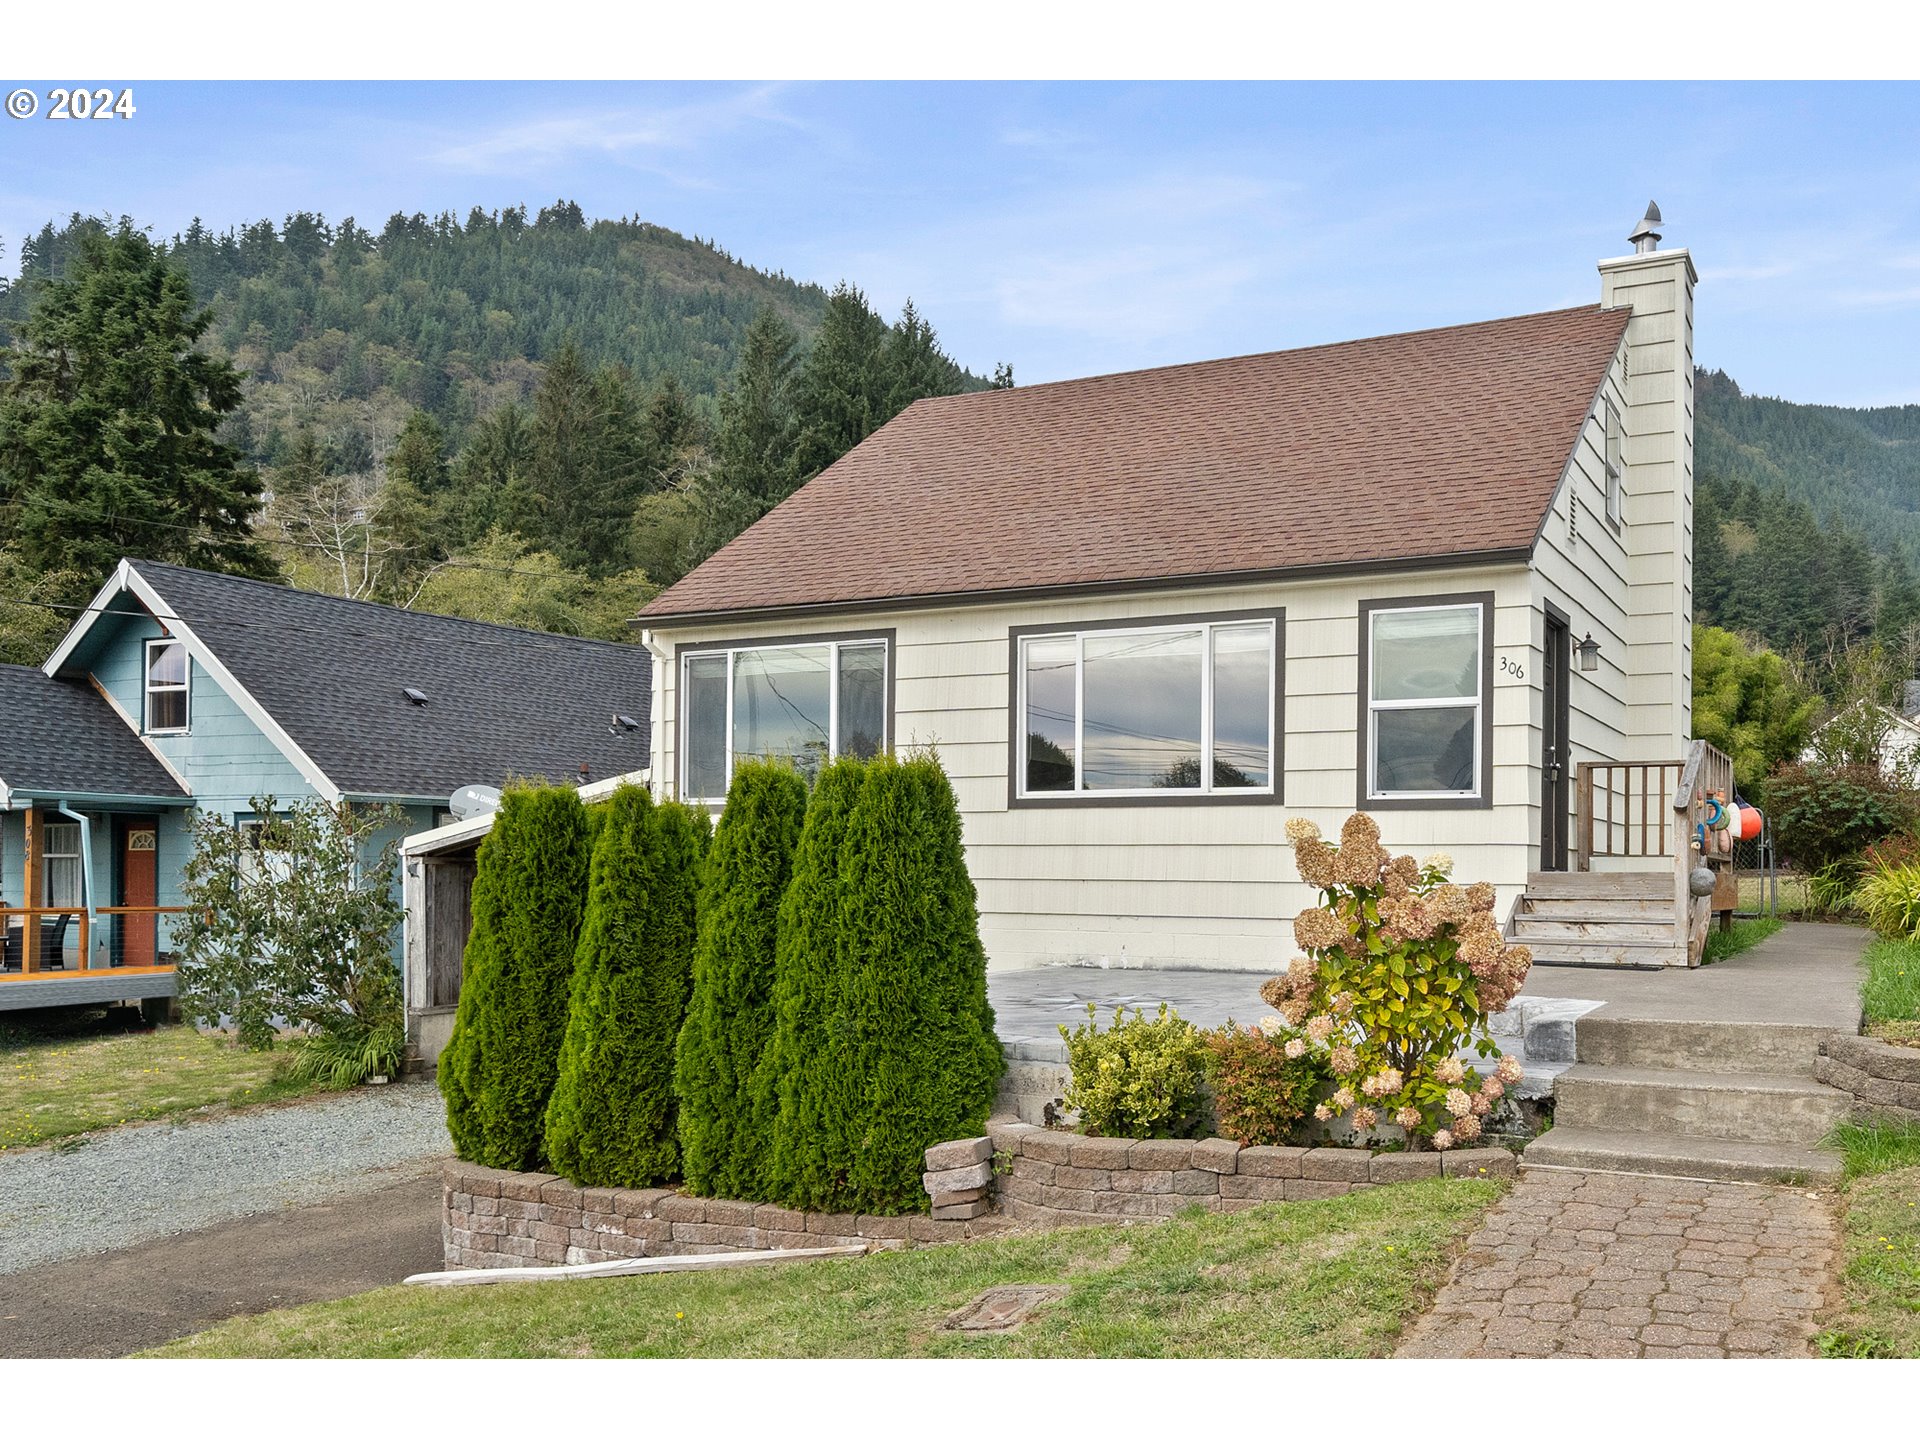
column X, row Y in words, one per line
column 139, row 886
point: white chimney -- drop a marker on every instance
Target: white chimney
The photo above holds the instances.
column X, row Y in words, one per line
column 1658, row 470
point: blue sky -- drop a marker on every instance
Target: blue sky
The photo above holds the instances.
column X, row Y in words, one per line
column 1074, row 229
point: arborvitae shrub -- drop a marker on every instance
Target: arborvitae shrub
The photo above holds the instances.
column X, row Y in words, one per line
column 529, row 891
column 924, row 1061
column 730, row 1016
column 796, row 1098
column 611, row 1118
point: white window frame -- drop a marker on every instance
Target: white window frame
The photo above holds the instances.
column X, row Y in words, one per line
column 148, row 689
column 833, row 646
column 48, row 854
column 258, row 861
column 1613, row 455
column 1451, row 702
column 1206, row 790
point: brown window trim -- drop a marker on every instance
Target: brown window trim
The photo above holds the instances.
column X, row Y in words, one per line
column 683, row 649
column 1083, row 800
column 1363, row 730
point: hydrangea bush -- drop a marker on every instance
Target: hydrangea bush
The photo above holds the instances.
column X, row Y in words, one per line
column 1402, row 970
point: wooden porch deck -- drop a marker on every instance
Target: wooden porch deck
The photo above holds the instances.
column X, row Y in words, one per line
column 50, row 988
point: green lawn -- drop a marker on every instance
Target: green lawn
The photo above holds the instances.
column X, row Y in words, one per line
column 1744, row 935
column 1334, row 1277
column 64, row 1073
column 1879, row 1315
column 1891, row 994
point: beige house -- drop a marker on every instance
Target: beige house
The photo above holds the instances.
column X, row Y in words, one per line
column 1144, row 619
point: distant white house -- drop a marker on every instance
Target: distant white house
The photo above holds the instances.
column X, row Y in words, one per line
column 1899, row 746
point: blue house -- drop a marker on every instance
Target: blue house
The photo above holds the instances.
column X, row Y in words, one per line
column 181, row 691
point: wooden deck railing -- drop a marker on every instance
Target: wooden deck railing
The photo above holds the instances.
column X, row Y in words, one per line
column 27, row 932
column 1621, row 809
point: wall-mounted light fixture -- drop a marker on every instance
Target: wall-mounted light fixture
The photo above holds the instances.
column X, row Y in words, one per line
column 1589, row 652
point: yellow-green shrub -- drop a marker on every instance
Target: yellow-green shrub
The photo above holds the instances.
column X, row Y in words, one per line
column 1139, row 1079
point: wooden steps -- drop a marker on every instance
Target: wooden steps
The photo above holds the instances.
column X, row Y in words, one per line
column 1623, row 919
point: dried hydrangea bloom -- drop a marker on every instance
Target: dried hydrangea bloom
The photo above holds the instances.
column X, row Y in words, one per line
column 1341, row 1060
column 1359, row 862
column 1480, row 946
column 1443, row 1139
column 1295, row 1012
column 1440, row 860
column 1271, row 1025
column 1466, row 1128
column 1318, row 929
column 1296, row 1047
column 1360, row 829
column 1483, row 1104
column 1314, row 859
column 1519, row 960
column 1320, row 1029
column 1321, row 1112
column 1450, row 904
column 1365, row 1118
column 1492, row 1088
column 1397, row 886
column 1301, row 970
column 1406, row 1117
column 1458, row 1102
column 1277, row 991
column 1342, row 1004
column 1450, row 1071
column 1300, row 830
column 1342, row 1099
column 1405, row 867
column 1481, row 894
column 1508, row 1071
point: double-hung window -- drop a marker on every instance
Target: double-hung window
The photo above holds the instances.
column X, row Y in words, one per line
column 166, row 687
column 64, row 870
column 1616, row 464
column 1151, row 710
column 803, row 702
column 1423, row 699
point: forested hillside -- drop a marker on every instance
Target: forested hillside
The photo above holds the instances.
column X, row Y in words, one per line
column 1807, row 518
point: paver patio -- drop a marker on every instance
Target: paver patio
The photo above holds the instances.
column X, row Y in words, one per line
column 1579, row 1263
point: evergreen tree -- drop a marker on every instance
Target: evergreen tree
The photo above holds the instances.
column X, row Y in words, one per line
column 798, row 1096
column 751, row 460
column 730, row 1017
column 924, row 1062
column 611, row 1120
column 108, row 443
column 529, row 888
column 843, row 391
column 305, row 466
column 670, row 432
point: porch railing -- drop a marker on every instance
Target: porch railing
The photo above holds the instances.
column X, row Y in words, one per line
column 1621, row 809
column 43, row 940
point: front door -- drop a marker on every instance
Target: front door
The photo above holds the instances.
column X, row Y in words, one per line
column 1554, row 761
column 138, row 935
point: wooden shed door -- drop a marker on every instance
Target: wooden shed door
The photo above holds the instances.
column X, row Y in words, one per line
column 449, row 922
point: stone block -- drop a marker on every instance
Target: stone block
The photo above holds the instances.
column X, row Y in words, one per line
column 959, row 1212
column 1100, row 1152
column 1315, row 1189
column 778, row 1217
column 886, row 1227
column 1333, row 1163
column 732, row 1237
column 561, row 1191
column 488, row 1225
column 560, row 1214
column 965, row 1197
column 473, row 1179
column 640, row 1204
column 958, row 1154
column 1017, row 1187
column 1391, row 1169
column 458, row 1201
column 1053, row 1146
column 1180, row 1204
column 541, row 1230
column 524, row 1186
column 1071, row 1177
column 1551, row 1040
column 1196, row 1182
column 1491, row 1162
column 550, row 1252
column 1271, row 1162
column 838, row 1223
column 1257, row 1188
column 486, row 1204
column 1161, row 1155
column 788, row 1240
column 1028, row 1168
column 598, row 1200
column 1221, row 1157
column 731, row 1212
column 1008, row 1134
column 681, row 1208
column 1140, row 1182
column 929, row 1231
column 965, row 1177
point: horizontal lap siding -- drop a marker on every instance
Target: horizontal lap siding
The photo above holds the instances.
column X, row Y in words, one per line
column 1201, row 885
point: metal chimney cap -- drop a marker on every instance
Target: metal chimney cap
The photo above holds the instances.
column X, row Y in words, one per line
column 1646, row 235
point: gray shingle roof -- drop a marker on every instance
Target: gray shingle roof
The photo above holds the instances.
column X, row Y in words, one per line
column 58, row 737
column 500, row 702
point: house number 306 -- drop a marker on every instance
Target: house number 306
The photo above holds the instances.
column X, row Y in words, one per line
column 1513, row 668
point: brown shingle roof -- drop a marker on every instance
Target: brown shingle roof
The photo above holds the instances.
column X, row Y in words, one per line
column 1437, row 444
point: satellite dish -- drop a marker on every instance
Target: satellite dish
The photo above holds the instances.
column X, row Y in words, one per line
column 471, row 800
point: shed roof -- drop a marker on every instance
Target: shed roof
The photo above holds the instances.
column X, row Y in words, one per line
column 60, row 738
column 1438, row 445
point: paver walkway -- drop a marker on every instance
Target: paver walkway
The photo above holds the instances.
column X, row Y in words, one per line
column 1588, row 1264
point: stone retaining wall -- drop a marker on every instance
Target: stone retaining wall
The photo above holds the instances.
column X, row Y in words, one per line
column 1018, row 1177
column 1883, row 1079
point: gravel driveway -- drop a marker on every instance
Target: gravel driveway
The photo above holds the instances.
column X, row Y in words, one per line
column 126, row 1186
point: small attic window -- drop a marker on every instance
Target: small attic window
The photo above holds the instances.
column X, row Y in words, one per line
column 414, row 697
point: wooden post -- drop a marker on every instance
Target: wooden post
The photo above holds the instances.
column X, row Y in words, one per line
column 35, row 893
column 1583, row 817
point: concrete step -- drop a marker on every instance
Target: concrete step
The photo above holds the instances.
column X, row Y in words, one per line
column 1576, row 908
column 1600, row 952
column 1593, row 884
column 1692, row 1156
column 1768, row 1109
column 1604, row 929
column 1728, row 1047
